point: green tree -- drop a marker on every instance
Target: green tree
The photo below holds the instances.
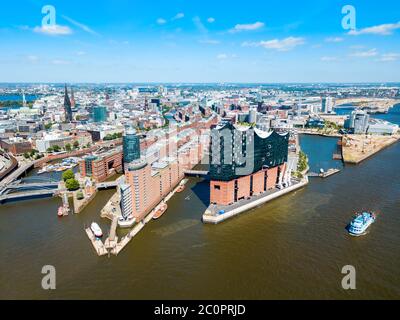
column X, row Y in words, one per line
column 72, row 184
column 69, row 174
column 76, row 144
column 68, row 147
column 79, row 195
column 50, row 150
column 56, row 148
column 26, row 155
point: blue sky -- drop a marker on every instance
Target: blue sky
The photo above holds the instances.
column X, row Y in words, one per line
column 199, row 41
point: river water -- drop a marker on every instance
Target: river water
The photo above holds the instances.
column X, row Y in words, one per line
column 291, row 248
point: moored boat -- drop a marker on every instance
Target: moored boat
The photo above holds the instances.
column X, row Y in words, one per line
column 360, row 223
column 60, row 212
column 160, row 211
column 96, row 230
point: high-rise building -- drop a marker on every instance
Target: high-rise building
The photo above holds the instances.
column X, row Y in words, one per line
column 357, row 122
column 67, row 106
column 253, row 115
column 327, row 104
column 100, row 114
column 125, row 192
column 245, row 162
column 131, row 145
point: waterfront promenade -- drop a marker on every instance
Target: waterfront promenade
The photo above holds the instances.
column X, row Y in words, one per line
column 218, row 213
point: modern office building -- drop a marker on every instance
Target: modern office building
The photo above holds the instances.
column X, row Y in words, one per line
column 131, row 145
column 357, row 122
column 67, row 106
column 327, row 104
column 100, row 114
column 245, row 162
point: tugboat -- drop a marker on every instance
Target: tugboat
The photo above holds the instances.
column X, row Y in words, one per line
column 96, row 230
column 360, row 223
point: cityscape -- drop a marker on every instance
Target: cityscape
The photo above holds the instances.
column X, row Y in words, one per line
column 266, row 173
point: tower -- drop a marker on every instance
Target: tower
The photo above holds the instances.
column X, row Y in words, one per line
column 72, row 98
column 67, row 106
column 131, row 146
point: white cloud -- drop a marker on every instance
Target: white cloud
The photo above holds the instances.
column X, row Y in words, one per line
column 60, row 62
column 53, row 30
column 178, row 16
column 199, row 25
column 382, row 29
column 81, row 26
column 210, row 20
column 276, row 44
column 328, row 59
column 365, row 54
column 161, row 21
column 224, row 56
column 32, row 58
column 334, row 39
column 80, row 53
column 386, row 57
column 248, row 27
column 209, row 41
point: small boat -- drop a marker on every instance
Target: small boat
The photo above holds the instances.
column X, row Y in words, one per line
column 60, row 212
column 160, row 211
column 180, row 188
column 360, row 223
column 96, row 230
column 41, row 171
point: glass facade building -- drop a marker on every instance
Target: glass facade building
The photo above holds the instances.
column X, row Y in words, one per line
column 240, row 152
column 131, row 146
column 99, row 114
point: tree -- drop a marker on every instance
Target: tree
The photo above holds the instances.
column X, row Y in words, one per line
column 56, row 148
column 76, row 144
column 26, row 155
column 79, row 195
column 68, row 147
column 72, row 184
column 69, row 174
column 50, row 150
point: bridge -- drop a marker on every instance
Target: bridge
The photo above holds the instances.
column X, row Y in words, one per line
column 106, row 185
column 28, row 186
column 28, row 195
column 196, row 173
column 16, row 174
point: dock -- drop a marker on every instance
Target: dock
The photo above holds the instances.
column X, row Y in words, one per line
column 97, row 243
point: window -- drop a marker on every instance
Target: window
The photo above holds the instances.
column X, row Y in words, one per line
column 217, row 187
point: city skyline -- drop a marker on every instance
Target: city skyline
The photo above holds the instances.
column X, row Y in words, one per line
column 178, row 42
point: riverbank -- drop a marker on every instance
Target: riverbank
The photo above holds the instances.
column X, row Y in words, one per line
column 357, row 148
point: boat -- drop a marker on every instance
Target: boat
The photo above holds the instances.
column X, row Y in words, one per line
column 160, row 211
column 41, row 171
column 360, row 223
column 60, row 212
column 180, row 188
column 96, row 230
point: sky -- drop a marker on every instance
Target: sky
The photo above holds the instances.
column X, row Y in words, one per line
column 128, row 41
